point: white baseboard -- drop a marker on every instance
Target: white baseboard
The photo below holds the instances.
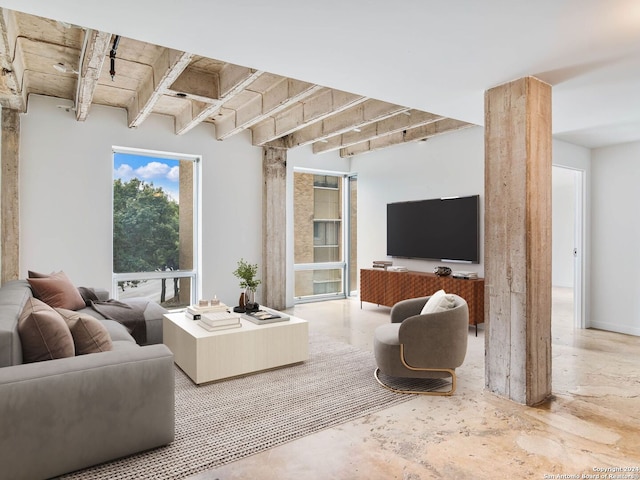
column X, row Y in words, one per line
column 616, row 327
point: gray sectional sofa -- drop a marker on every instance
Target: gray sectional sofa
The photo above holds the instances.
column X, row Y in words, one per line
column 61, row 415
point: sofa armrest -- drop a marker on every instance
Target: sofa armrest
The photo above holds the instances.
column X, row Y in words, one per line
column 407, row 308
column 436, row 340
column 102, row 294
column 67, row 414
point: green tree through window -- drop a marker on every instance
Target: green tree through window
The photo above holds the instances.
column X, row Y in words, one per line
column 145, row 228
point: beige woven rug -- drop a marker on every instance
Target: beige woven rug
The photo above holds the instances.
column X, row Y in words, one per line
column 222, row 422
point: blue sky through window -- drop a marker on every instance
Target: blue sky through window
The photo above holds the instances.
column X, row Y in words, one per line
column 162, row 172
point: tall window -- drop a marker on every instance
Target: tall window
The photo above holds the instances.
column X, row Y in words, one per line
column 324, row 226
column 154, row 226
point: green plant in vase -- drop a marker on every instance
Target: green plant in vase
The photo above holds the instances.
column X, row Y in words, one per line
column 246, row 273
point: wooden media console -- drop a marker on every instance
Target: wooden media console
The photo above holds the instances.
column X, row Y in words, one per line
column 387, row 288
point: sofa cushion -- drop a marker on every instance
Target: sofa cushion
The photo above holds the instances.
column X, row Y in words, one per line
column 56, row 290
column 118, row 332
column 44, row 334
column 438, row 302
column 89, row 334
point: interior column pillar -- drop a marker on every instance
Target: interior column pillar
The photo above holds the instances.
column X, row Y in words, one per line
column 274, row 170
column 517, row 244
column 9, row 196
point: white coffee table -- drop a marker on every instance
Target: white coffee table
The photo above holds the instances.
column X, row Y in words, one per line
column 208, row 356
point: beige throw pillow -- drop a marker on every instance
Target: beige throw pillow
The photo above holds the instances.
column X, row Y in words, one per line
column 89, row 334
column 44, row 335
column 438, row 302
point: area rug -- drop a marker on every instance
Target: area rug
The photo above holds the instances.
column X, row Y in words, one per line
column 225, row 421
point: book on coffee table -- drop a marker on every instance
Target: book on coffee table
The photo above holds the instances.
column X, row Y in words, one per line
column 219, row 319
column 211, row 328
column 195, row 312
column 265, row 316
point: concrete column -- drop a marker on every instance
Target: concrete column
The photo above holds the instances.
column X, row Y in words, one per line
column 185, row 243
column 517, row 244
column 9, row 196
column 274, row 225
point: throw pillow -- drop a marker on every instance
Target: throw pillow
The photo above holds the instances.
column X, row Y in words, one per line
column 44, row 335
column 33, row 274
column 438, row 302
column 89, row 334
column 57, row 291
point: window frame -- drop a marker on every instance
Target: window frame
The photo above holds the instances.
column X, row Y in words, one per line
column 194, row 273
column 344, row 235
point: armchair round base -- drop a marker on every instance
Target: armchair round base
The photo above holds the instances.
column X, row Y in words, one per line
column 449, row 392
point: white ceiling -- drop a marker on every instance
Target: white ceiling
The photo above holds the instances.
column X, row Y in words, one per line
column 435, row 55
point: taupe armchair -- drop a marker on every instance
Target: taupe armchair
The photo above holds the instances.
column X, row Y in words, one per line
column 430, row 345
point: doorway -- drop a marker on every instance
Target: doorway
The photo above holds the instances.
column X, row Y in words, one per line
column 568, row 245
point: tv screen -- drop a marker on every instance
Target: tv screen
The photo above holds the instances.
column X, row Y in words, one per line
column 439, row 229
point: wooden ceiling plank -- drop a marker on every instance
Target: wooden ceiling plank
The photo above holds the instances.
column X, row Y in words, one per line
column 91, row 61
column 392, row 124
column 166, row 69
column 13, row 96
column 416, row 134
column 445, row 125
column 226, row 77
column 248, row 110
column 356, row 117
column 324, row 103
column 282, row 96
column 49, row 84
column 197, row 84
column 353, row 150
column 234, row 78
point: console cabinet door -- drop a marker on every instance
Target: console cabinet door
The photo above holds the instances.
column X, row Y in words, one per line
column 398, row 284
column 372, row 286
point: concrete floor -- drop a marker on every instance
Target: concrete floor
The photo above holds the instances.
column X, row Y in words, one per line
column 592, row 421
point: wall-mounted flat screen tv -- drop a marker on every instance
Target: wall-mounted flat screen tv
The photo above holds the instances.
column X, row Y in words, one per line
column 440, row 229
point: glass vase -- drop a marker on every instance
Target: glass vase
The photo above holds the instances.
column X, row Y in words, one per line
column 249, row 299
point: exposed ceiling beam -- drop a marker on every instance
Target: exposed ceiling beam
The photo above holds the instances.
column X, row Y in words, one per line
column 388, row 126
column 232, row 80
column 423, row 132
column 324, row 103
column 284, row 94
column 96, row 47
column 161, row 76
column 43, row 57
column 10, row 86
column 354, row 118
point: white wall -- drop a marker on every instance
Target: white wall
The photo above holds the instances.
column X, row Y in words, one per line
column 616, row 238
column 66, row 190
column 446, row 165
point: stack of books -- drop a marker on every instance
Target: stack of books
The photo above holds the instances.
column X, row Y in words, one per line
column 398, row 268
column 465, row 275
column 384, row 264
column 194, row 312
column 214, row 321
column 265, row 316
